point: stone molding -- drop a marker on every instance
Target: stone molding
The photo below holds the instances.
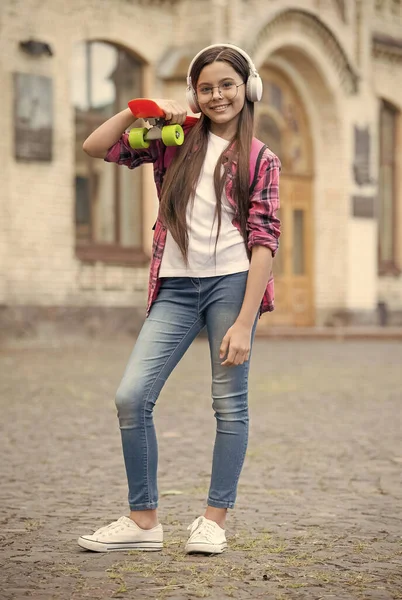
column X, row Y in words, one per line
column 341, row 8
column 311, row 26
column 387, row 47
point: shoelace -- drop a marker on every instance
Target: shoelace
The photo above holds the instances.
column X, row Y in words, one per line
column 193, row 526
column 114, row 525
column 203, row 528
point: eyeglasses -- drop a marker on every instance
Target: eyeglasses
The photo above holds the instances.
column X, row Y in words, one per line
column 227, row 89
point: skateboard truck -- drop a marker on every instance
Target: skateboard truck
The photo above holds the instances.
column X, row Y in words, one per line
column 141, row 137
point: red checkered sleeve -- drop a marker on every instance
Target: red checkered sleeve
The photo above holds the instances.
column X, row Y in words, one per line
column 121, row 153
column 263, row 225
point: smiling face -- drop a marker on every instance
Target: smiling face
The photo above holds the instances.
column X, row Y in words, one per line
column 222, row 111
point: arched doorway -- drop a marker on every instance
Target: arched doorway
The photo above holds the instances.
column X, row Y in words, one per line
column 281, row 123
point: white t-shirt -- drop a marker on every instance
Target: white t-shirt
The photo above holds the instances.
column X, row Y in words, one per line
column 231, row 255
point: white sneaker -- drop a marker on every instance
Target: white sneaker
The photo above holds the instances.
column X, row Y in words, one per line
column 206, row 536
column 123, row 534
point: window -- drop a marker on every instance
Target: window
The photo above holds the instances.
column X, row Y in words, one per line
column 299, row 242
column 108, row 207
column 387, row 192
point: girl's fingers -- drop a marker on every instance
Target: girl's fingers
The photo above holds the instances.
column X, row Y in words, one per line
column 180, row 114
column 175, row 113
column 235, row 359
column 239, row 358
column 224, row 347
column 231, row 359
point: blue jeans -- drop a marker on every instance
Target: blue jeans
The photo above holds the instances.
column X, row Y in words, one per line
column 182, row 309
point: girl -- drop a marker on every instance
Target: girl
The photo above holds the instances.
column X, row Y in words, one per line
column 215, row 237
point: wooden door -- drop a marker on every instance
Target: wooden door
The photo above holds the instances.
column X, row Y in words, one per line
column 283, row 126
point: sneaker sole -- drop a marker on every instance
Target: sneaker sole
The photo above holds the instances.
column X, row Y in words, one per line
column 205, row 548
column 107, row 547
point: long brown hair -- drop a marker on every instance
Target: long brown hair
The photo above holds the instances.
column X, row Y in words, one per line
column 182, row 176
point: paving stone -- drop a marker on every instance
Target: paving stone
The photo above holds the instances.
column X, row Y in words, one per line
column 319, row 508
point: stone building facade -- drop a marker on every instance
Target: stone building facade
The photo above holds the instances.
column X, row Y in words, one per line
column 75, row 233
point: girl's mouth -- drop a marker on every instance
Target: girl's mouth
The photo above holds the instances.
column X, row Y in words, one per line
column 220, row 108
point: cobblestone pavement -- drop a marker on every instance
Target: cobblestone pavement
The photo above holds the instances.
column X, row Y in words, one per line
column 319, row 510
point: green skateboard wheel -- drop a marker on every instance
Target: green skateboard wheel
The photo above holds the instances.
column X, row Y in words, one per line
column 136, row 138
column 172, row 135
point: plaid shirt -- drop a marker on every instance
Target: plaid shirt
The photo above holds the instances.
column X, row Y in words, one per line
column 263, row 226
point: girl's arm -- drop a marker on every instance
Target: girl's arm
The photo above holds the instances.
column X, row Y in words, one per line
column 237, row 341
column 263, row 233
column 258, row 276
column 107, row 134
column 99, row 142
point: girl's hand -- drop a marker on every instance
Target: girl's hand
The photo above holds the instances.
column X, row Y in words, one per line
column 236, row 345
column 174, row 112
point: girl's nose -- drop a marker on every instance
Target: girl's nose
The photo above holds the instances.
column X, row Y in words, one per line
column 216, row 93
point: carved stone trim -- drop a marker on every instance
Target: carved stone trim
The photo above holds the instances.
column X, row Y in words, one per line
column 313, row 28
column 387, row 47
column 341, row 8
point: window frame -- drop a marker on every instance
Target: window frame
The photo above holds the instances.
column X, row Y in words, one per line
column 389, row 266
column 91, row 251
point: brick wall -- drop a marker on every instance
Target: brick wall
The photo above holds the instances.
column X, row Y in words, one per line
column 37, row 261
column 37, row 200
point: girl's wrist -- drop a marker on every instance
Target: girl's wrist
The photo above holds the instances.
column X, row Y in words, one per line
column 244, row 322
column 129, row 116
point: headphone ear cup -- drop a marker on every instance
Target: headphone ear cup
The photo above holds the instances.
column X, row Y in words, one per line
column 192, row 100
column 254, row 88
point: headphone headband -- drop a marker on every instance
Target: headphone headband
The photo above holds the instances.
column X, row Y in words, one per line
column 253, row 70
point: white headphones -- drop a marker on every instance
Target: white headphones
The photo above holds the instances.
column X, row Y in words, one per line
column 253, row 83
